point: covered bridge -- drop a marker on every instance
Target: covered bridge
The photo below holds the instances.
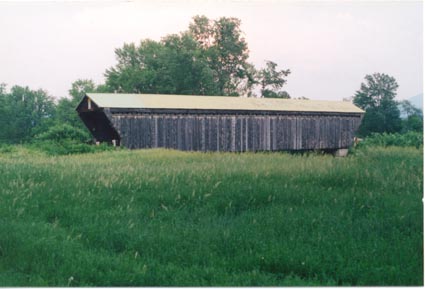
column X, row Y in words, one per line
column 216, row 123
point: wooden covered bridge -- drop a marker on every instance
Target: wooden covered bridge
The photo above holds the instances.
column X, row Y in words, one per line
column 215, row 123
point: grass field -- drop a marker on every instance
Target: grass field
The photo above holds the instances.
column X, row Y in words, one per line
column 158, row 217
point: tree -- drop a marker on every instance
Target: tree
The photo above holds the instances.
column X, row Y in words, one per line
column 80, row 87
column 408, row 109
column 228, row 54
column 413, row 123
column 414, row 117
column 376, row 97
column 65, row 109
column 225, row 50
column 24, row 112
column 272, row 80
column 188, row 69
column 210, row 58
column 378, row 90
column 4, row 114
column 175, row 65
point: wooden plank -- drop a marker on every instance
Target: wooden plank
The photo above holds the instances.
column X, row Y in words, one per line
column 151, row 125
column 213, row 134
column 233, row 133
column 191, row 133
column 155, row 134
column 294, row 132
column 268, row 133
column 144, row 132
column 202, row 132
column 285, row 133
column 133, row 128
column 249, row 132
column 140, row 124
column 238, row 135
column 207, row 134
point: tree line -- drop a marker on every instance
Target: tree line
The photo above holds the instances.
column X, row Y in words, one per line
column 209, row 58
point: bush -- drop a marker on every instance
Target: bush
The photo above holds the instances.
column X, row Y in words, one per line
column 409, row 139
column 64, row 140
column 67, row 147
column 61, row 132
column 413, row 123
column 6, row 148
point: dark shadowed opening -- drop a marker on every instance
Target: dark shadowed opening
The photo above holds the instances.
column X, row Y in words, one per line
column 100, row 126
column 97, row 122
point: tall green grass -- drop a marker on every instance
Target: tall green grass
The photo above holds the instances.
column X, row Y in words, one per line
column 159, row 217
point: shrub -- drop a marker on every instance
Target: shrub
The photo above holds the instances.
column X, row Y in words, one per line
column 6, row 148
column 61, row 132
column 67, row 147
column 409, row 139
column 64, row 140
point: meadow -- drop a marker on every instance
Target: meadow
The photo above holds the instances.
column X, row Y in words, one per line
column 169, row 218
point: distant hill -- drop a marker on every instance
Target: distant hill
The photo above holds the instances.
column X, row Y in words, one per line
column 417, row 100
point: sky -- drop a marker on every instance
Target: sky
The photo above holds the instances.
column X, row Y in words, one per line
column 329, row 46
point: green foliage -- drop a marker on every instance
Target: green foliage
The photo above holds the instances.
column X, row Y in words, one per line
column 413, row 123
column 376, row 97
column 65, row 109
column 210, row 58
column 80, row 87
column 23, row 112
column 413, row 117
column 62, row 132
column 273, row 94
column 169, row 218
column 67, row 147
column 379, row 89
column 227, row 54
column 65, row 139
column 7, row 148
column 408, row 109
column 409, row 139
column 65, row 112
column 171, row 66
column 272, row 81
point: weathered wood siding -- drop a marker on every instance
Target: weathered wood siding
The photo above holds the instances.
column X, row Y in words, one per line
column 235, row 132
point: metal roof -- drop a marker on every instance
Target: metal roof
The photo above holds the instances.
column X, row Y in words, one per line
column 166, row 101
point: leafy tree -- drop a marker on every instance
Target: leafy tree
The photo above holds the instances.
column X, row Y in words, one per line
column 188, row 70
column 210, row 58
column 272, row 80
column 378, row 89
column 413, row 123
column 376, row 97
column 65, row 109
column 408, row 109
column 80, row 87
column 134, row 73
column 414, row 117
column 4, row 114
column 172, row 66
column 24, row 113
column 227, row 54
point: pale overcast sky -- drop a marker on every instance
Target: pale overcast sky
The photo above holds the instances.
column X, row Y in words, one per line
column 329, row 46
